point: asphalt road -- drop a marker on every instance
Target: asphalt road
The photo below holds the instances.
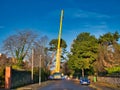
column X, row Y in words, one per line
column 65, row 85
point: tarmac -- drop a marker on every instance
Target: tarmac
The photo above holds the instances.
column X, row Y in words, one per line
column 95, row 85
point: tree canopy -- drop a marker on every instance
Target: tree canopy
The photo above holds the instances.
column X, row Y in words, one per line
column 54, row 46
column 88, row 52
column 54, row 42
column 18, row 45
column 109, row 38
column 83, row 51
column 109, row 50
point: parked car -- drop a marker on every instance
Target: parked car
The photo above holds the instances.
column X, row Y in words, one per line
column 64, row 77
column 50, row 77
column 84, row 81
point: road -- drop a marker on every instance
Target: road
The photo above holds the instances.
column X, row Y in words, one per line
column 65, row 85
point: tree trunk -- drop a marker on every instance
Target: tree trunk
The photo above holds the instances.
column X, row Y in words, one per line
column 82, row 72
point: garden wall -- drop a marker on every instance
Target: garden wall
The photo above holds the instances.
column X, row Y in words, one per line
column 20, row 78
column 111, row 80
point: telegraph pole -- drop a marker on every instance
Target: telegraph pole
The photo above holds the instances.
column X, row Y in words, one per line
column 32, row 65
column 40, row 71
column 57, row 69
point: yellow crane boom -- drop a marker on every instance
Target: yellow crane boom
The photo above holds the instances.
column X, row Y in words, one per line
column 57, row 68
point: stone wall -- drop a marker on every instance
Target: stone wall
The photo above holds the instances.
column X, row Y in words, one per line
column 111, row 80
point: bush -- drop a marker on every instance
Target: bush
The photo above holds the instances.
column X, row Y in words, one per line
column 113, row 70
column 2, row 76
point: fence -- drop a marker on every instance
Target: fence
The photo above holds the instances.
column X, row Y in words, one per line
column 20, row 78
column 12, row 78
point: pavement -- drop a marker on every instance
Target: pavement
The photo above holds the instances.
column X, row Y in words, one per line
column 33, row 86
column 103, row 86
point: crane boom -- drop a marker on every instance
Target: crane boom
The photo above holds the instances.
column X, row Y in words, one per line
column 57, row 69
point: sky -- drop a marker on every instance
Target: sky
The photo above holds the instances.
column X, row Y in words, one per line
column 43, row 17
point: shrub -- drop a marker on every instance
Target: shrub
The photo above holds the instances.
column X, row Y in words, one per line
column 2, row 76
column 113, row 70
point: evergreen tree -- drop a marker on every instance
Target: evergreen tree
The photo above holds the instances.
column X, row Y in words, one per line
column 83, row 52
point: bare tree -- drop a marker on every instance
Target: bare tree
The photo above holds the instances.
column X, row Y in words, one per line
column 19, row 44
column 4, row 60
column 108, row 56
column 40, row 49
column 108, row 52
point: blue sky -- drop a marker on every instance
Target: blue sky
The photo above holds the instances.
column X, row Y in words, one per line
column 43, row 16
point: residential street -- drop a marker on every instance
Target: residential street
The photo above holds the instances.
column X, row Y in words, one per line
column 65, row 85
